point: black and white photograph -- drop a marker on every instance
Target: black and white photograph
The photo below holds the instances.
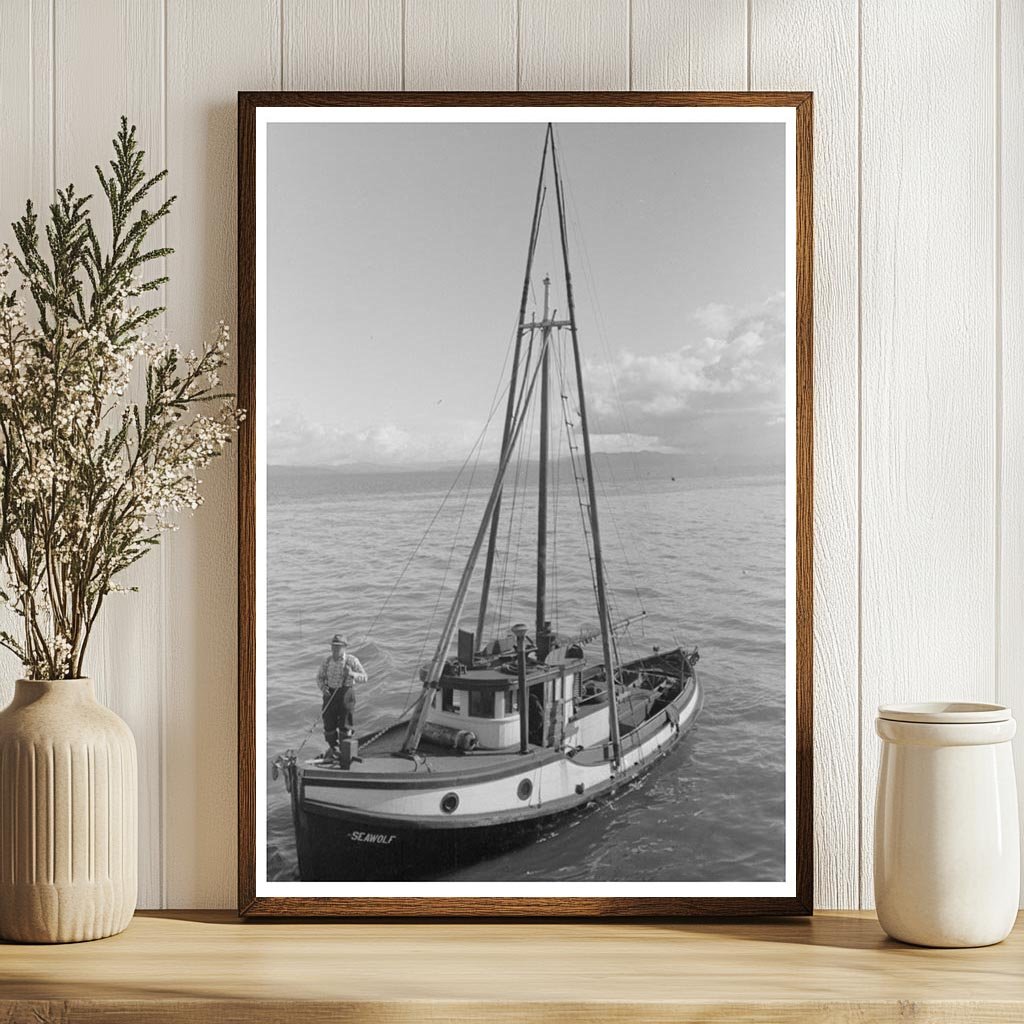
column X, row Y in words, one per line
column 525, row 505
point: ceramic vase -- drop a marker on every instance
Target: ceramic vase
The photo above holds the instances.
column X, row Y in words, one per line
column 68, row 813
column 947, row 849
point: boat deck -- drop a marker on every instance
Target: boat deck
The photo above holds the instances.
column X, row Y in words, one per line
column 379, row 756
column 379, row 751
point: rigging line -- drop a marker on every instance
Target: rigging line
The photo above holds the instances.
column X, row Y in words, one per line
column 595, row 566
column 499, row 392
column 527, row 444
column 651, row 603
column 415, row 729
column 552, row 245
column 522, row 385
column 410, row 702
column 531, row 252
column 451, row 552
column 607, row 505
column 377, row 687
column 477, row 447
column 501, row 389
column 440, row 588
column 520, row 486
column 600, row 320
column 575, row 466
column 611, row 596
column 497, row 614
column 507, row 596
column 573, row 463
column 503, row 596
column 609, row 663
column 603, row 335
column 508, row 592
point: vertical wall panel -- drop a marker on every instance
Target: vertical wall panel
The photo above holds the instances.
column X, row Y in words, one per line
column 814, row 46
column 124, row 656
column 574, row 44
column 342, row 44
column 26, row 104
column 942, row 587
column 460, row 44
column 689, row 44
column 26, row 165
column 928, row 516
column 1011, row 315
column 213, row 50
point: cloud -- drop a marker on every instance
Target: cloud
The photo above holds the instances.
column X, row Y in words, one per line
column 731, row 374
column 629, row 443
column 720, row 394
column 295, row 441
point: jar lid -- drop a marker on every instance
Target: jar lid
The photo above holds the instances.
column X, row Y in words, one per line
column 945, row 713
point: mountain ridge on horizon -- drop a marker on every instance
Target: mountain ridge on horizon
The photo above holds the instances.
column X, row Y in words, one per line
column 680, row 463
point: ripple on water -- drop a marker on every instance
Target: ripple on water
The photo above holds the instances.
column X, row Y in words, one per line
column 713, row 575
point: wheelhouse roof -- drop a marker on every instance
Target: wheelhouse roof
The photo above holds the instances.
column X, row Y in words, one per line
column 495, row 679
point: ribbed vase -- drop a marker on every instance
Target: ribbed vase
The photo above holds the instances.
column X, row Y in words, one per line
column 68, row 815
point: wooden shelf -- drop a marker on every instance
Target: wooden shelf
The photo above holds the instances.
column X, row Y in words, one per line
column 211, row 967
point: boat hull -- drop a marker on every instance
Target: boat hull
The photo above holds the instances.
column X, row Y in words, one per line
column 340, row 843
column 347, row 849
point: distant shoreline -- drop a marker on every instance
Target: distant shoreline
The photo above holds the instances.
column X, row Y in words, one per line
column 640, row 463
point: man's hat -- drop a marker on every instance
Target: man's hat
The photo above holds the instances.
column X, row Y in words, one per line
column 338, row 638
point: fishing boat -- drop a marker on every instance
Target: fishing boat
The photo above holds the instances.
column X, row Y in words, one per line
column 513, row 732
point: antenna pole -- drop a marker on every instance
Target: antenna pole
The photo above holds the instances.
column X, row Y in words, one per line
column 602, row 597
column 538, row 205
column 540, row 636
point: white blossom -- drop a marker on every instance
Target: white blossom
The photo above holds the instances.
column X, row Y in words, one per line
column 94, row 467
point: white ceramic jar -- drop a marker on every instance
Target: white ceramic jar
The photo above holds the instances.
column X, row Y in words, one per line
column 947, row 849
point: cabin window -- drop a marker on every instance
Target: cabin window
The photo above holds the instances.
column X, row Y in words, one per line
column 451, row 701
column 481, row 704
column 511, row 702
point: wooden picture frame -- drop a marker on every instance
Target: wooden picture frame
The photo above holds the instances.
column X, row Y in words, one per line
column 251, row 902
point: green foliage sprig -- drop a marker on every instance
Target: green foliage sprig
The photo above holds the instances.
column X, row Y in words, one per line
column 89, row 476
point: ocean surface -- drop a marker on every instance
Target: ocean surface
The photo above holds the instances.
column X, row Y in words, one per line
column 705, row 557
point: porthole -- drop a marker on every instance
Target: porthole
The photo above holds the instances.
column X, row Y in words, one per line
column 524, row 789
column 449, row 802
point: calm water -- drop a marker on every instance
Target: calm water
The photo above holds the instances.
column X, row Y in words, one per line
column 705, row 557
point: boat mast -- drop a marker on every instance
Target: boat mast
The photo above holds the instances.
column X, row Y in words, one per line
column 538, row 205
column 602, row 597
column 542, row 483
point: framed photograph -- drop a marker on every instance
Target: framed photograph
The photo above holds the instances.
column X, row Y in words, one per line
column 525, row 504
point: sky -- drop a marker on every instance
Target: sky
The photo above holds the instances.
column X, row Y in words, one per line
column 395, row 263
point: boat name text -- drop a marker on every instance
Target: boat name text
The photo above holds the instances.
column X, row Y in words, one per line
column 372, row 837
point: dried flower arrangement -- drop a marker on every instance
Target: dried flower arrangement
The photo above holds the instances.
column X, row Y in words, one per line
column 90, row 476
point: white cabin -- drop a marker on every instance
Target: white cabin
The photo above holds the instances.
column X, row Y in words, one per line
column 562, row 713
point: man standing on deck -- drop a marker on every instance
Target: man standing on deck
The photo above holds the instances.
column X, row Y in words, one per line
column 337, row 679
